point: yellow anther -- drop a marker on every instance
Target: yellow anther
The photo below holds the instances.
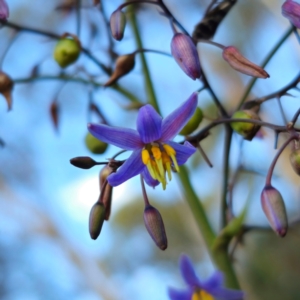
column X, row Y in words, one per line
column 145, row 156
column 156, row 152
column 202, row 295
column 170, row 151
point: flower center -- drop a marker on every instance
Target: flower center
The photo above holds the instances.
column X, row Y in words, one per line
column 202, row 295
column 159, row 158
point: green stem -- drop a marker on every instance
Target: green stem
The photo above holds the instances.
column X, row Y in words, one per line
column 267, row 59
column 219, row 256
column 148, row 82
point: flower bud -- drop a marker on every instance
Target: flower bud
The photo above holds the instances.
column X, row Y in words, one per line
column 94, row 145
column 6, row 86
column 4, row 11
column 124, row 64
column 66, row 51
column 155, row 226
column 291, row 10
column 106, row 189
column 117, row 24
column 185, row 53
column 295, row 160
column 96, row 220
column 193, row 122
column 83, row 162
column 247, row 130
column 238, row 62
column 274, row 209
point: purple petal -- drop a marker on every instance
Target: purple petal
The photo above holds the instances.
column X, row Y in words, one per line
column 124, row 138
column 215, row 281
column 179, row 294
column 183, row 152
column 149, row 124
column 132, row 167
column 4, row 11
column 174, row 122
column 291, row 10
column 149, row 179
column 227, row 294
column 188, row 272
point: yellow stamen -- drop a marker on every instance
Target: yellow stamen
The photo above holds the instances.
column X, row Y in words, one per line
column 202, row 295
column 145, row 156
column 171, row 152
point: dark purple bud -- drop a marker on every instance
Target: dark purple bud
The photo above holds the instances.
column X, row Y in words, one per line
column 4, row 11
column 155, row 226
column 185, row 53
column 6, row 86
column 295, row 160
column 291, row 10
column 124, row 64
column 97, row 216
column 238, row 62
column 274, row 209
column 117, row 24
column 83, row 162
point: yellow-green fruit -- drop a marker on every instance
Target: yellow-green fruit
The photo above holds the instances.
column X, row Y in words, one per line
column 247, row 130
column 295, row 160
column 94, row 145
column 193, row 122
column 66, row 52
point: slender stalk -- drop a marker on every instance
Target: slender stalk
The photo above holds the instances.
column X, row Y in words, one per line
column 78, row 17
column 147, row 78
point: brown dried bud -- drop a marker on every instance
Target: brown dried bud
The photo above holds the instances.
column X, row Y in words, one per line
column 238, row 62
column 124, row 64
column 6, row 86
column 83, row 162
column 54, row 112
column 106, row 190
column 96, row 220
column 155, row 226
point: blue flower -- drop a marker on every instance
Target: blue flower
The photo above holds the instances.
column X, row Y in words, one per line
column 210, row 289
column 154, row 152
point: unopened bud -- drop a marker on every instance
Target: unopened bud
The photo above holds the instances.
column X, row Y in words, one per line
column 83, row 162
column 4, row 11
column 124, row 64
column 6, row 86
column 106, row 189
column 193, row 122
column 96, row 220
column 295, row 160
column 155, row 226
column 117, row 24
column 185, row 53
column 94, row 145
column 291, row 10
column 66, row 51
column 247, row 130
column 274, row 209
column 104, row 173
column 238, row 62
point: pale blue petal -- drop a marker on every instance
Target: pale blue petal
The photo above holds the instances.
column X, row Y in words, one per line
column 183, row 152
column 124, row 138
column 180, row 294
column 132, row 167
column 149, row 179
column 188, row 272
column 174, row 122
column 149, row 124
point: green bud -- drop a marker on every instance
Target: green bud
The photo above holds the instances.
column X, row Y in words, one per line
column 295, row 160
column 247, row 130
column 96, row 220
column 193, row 122
column 66, row 51
column 94, row 145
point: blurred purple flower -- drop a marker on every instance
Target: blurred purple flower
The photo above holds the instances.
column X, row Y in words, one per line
column 185, row 53
column 154, row 152
column 291, row 10
column 4, row 11
column 210, row 289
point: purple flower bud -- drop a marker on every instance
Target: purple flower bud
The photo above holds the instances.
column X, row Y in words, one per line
column 117, row 24
column 274, row 209
column 96, row 220
column 185, row 53
column 155, row 226
column 291, row 10
column 238, row 62
column 4, row 11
